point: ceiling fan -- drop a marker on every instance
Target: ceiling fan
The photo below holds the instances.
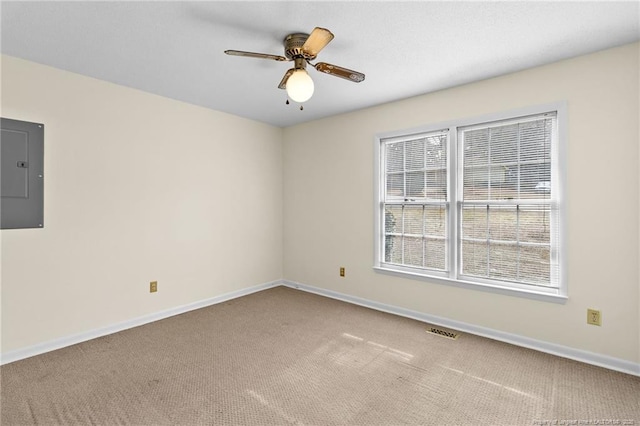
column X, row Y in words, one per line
column 302, row 48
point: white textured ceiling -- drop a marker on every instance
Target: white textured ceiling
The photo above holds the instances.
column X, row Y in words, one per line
column 175, row 49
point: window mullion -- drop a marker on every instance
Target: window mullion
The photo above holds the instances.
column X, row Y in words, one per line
column 424, row 207
column 402, row 238
column 518, row 242
column 489, row 166
column 488, row 242
column 454, row 174
column 519, row 163
column 424, row 236
column 404, row 171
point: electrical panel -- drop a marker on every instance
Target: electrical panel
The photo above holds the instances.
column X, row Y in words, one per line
column 21, row 174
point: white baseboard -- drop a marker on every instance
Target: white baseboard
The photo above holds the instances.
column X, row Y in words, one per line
column 526, row 342
column 52, row 345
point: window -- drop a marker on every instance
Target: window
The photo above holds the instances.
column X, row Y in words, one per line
column 474, row 203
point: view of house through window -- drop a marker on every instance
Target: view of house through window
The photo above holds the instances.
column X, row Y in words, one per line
column 476, row 203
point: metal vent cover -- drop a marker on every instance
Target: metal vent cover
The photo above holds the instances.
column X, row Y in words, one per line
column 443, row 333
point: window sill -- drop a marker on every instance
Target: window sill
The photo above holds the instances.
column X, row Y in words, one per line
column 527, row 294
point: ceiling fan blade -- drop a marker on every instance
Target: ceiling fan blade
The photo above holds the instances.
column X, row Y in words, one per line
column 255, row 55
column 283, row 82
column 317, row 40
column 341, row 72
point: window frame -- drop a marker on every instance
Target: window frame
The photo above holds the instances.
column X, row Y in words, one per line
column 453, row 234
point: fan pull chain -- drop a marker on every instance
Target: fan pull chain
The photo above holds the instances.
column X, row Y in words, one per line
column 287, row 103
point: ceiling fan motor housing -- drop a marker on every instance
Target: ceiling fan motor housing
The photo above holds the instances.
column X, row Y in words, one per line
column 293, row 46
column 302, row 48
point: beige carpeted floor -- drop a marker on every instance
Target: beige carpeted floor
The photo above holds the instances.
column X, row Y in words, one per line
column 283, row 356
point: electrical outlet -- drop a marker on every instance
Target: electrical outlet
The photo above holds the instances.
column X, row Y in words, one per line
column 342, row 271
column 594, row 317
column 153, row 286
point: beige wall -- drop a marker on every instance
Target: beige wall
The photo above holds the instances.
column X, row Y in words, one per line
column 138, row 188
column 328, row 203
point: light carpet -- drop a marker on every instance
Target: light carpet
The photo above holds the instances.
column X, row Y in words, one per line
column 284, row 356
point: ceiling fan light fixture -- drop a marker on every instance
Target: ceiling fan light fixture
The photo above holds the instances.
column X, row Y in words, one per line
column 300, row 86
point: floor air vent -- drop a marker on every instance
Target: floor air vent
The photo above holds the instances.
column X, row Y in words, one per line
column 443, row 333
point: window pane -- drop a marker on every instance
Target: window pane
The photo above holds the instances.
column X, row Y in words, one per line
column 415, row 185
column 392, row 219
column 413, row 220
column 474, row 258
column 503, row 223
column 476, row 147
column 393, row 249
column 394, row 156
column 436, row 219
column 436, row 150
column 413, row 251
column 415, row 154
column 534, row 264
column 474, row 222
column 475, row 183
column 501, row 190
column 503, row 147
column 503, row 154
column 534, row 224
column 535, row 140
column 535, row 181
column 392, row 225
column 436, row 164
column 503, row 261
column 395, row 186
column 435, row 253
column 535, row 155
column 436, row 188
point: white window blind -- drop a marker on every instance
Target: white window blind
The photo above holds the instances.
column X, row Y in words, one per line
column 415, row 201
column 475, row 203
column 507, row 215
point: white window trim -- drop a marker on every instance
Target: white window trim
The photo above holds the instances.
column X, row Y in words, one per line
column 559, row 295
